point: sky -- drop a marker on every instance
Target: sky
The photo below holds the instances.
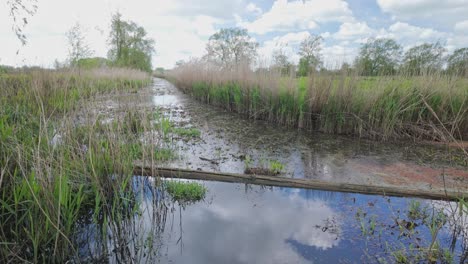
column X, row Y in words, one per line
column 181, row 28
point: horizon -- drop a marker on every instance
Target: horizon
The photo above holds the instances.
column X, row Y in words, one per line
column 344, row 26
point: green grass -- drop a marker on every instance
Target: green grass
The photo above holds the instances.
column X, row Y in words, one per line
column 186, row 191
column 276, row 167
column 187, row 132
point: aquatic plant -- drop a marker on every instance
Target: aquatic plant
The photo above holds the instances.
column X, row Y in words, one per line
column 415, row 235
column 187, row 132
column 270, row 167
column 276, row 166
column 185, row 192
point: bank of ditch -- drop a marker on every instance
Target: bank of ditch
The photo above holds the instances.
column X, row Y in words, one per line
column 432, row 107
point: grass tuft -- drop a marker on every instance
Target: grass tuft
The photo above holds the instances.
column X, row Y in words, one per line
column 186, row 191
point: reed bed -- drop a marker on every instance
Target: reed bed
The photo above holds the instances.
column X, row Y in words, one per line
column 430, row 107
column 56, row 174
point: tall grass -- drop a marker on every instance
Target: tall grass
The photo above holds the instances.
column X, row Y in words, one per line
column 55, row 173
column 433, row 107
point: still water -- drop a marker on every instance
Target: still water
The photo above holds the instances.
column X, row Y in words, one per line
column 239, row 223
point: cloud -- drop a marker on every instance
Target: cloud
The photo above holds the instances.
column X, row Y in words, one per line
column 288, row 43
column 253, row 216
column 410, row 35
column 298, row 15
column 447, row 11
column 253, row 8
column 181, row 28
column 335, row 55
column 177, row 36
column 350, row 30
column 462, row 26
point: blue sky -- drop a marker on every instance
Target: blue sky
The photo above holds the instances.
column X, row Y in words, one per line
column 181, row 28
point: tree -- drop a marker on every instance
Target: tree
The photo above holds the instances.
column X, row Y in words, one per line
column 346, row 68
column 20, row 11
column 78, row 48
column 424, row 58
column 231, row 46
column 281, row 62
column 129, row 45
column 92, row 63
column 458, row 62
column 309, row 51
column 379, row 57
column 179, row 63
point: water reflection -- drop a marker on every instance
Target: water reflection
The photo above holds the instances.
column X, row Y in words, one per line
column 238, row 223
column 164, row 100
column 252, row 227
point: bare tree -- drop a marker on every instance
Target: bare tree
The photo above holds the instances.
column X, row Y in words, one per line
column 281, row 61
column 78, row 48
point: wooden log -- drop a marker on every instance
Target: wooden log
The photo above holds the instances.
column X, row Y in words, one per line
column 399, row 191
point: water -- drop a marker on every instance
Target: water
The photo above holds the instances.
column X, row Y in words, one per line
column 238, row 223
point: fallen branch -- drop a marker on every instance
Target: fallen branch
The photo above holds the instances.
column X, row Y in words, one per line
column 297, row 183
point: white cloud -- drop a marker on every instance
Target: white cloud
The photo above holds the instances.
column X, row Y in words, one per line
column 288, row 43
column 253, row 8
column 405, row 30
column 177, row 36
column 181, row 28
column 350, row 30
column 254, row 216
column 409, row 35
column 447, row 11
column 335, row 55
column 462, row 27
column 298, row 15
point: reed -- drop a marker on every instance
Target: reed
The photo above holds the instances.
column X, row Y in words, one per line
column 433, row 107
column 56, row 173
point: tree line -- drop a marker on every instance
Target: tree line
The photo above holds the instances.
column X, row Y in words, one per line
column 231, row 47
column 385, row 57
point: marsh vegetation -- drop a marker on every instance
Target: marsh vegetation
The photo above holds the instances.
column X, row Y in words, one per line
column 61, row 165
column 71, row 191
column 384, row 95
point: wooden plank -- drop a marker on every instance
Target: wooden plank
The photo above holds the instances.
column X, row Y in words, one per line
column 297, row 183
